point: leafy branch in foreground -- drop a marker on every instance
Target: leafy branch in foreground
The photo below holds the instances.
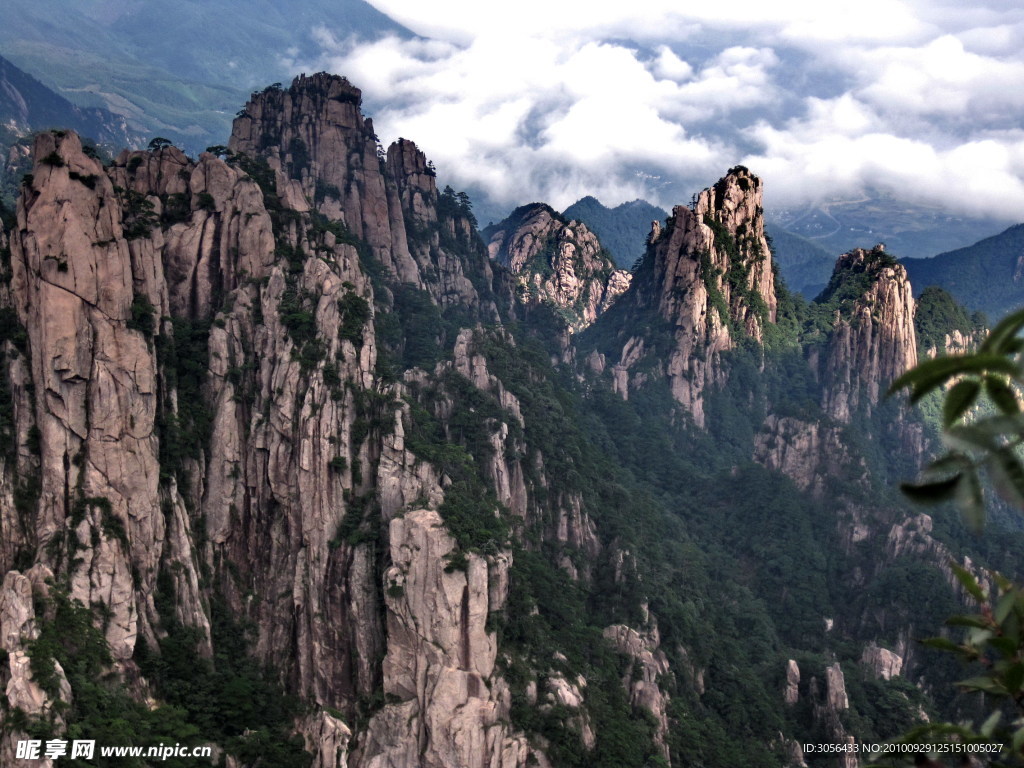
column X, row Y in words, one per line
column 983, row 429
column 987, row 446
column 994, row 641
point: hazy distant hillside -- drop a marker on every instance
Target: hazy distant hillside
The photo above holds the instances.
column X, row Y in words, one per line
column 805, row 266
column 988, row 275
column 178, row 70
column 623, row 229
column 26, row 105
column 908, row 229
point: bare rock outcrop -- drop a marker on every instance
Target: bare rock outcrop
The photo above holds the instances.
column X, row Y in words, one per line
column 557, row 262
column 18, row 628
column 326, row 158
column 708, row 279
column 835, row 688
column 881, row 662
column 448, row 706
column 645, row 690
column 86, row 285
column 808, row 452
column 873, row 341
column 791, row 694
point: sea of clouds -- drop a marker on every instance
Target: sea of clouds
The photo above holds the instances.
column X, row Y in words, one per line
column 542, row 100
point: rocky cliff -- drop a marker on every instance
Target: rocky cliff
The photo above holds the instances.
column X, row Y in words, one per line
column 326, row 157
column 557, row 262
column 707, row 282
column 873, row 341
column 213, row 419
column 266, row 432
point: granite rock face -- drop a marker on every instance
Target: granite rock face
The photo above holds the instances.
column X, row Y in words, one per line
column 874, row 342
column 325, row 157
column 197, row 400
column 557, row 262
column 274, row 375
column 708, row 279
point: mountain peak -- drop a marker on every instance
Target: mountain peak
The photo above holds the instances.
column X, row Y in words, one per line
column 557, row 262
column 708, row 276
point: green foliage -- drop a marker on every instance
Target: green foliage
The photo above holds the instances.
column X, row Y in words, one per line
column 101, row 708
column 984, row 447
column 622, row 230
column 355, row 314
column 184, row 431
column 992, row 642
column 455, row 205
column 742, row 251
column 228, row 699
column 54, row 160
column 461, row 449
column 138, row 216
column 176, row 208
column 89, row 180
column 143, row 315
column 980, row 275
column 204, row 201
column 938, row 314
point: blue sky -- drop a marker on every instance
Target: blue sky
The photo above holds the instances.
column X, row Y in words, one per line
column 657, row 98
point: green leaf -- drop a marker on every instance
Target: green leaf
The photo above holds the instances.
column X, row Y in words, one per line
column 932, row 493
column 983, row 683
column 932, row 374
column 1004, row 584
column 1005, row 645
column 951, row 462
column 967, row 621
column 1001, row 338
column 1002, row 395
column 990, row 724
column 1007, row 475
column 970, row 583
column 959, row 400
column 1018, row 739
column 1014, row 678
column 971, row 501
column 941, row 644
column 1006, row 603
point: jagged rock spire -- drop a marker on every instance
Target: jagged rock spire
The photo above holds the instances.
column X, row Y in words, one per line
column 874, row 341
column 708, row 277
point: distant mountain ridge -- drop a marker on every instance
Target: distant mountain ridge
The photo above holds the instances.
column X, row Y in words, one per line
column 177, row 71
column 986, row 276
column 26, row 105
column 913, row 230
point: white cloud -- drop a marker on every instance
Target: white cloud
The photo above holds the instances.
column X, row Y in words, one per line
column 654, row 98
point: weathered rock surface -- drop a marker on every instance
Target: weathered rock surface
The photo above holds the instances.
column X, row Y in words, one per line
column 708, row 276
column 644, row 690
column 875, row 341
column 557, row 262
column 835, row 688
column 881, row 662
column 325, row 156
column 791, row 694
column 448, row 706
column 18, row 628
column 79, row 287
column 808, row 452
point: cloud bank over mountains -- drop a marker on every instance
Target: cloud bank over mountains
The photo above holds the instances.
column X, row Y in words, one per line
column 552, row 101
